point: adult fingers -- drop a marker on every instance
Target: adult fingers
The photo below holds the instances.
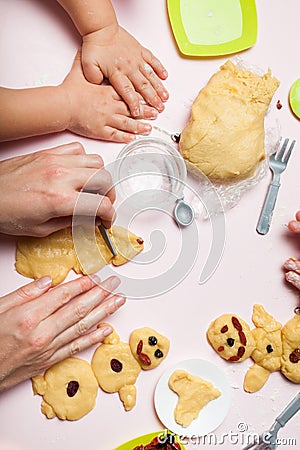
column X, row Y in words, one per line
column 72, row 148
column 95, row 205
column 49, row 227
column 84, row 342
column 77, row 338
column 101, row 182
column 74, row 316
column 57, row 297
column 25, row 294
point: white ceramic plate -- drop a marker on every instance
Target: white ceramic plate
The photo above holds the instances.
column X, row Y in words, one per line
column 211, row 416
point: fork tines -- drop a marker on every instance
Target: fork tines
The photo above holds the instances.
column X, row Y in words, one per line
column 281, row 154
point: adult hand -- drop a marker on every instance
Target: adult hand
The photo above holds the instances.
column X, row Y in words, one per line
column 38, row 191
column 40, row 326
column 130, row 67
column 99, row 112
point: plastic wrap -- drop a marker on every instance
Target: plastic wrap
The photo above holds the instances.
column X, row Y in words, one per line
column 221, row 197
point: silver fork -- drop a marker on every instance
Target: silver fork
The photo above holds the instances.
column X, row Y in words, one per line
column 268, row 440
column 277, row 163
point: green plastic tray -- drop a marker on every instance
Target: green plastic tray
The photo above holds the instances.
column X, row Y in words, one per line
column 213, row 27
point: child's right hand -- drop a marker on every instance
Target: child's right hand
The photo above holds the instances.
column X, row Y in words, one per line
column 99, row 112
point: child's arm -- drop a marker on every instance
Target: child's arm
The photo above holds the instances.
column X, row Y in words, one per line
column 110, row 51
column 91, row 15
column 32, row 112
column 76, row 105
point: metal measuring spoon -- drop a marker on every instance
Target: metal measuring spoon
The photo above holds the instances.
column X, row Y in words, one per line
column 183, row 213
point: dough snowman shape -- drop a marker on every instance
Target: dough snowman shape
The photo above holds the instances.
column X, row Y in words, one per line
column 117, row 364
column 275, row 348
column 116, row 369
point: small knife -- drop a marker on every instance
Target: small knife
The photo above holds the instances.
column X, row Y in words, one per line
column 107, row 239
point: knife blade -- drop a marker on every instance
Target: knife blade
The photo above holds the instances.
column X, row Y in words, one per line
column 107, row 239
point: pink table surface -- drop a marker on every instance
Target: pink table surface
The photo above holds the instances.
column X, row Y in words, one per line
column 37, row 45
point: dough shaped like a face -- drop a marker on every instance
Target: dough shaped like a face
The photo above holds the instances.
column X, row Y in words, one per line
column 116, row 369
column 149, row 347
column 69, row 389
column 224, row 138
column 193, row 392
column 231, row 338
column 56, row 255
column 290, row 361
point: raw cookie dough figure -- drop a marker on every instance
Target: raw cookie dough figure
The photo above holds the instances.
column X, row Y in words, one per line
column 56, row 254
column 69, row 389
column 116, row 369
column 268, row 349
column 275, row 348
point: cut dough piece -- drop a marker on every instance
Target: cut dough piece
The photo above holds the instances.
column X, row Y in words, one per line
column 255, row 378
column 224, row 138
column 56, row 255
column 193, row 392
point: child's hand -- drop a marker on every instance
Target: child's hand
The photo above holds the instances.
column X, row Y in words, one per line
column 99, row 112
column 113, row 53
column 293, row 275
column 292, row 265
column 294, row 225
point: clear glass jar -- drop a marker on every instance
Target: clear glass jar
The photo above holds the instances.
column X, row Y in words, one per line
column 149, row 172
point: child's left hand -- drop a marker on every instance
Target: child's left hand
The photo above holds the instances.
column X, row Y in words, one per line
column 113, row 53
